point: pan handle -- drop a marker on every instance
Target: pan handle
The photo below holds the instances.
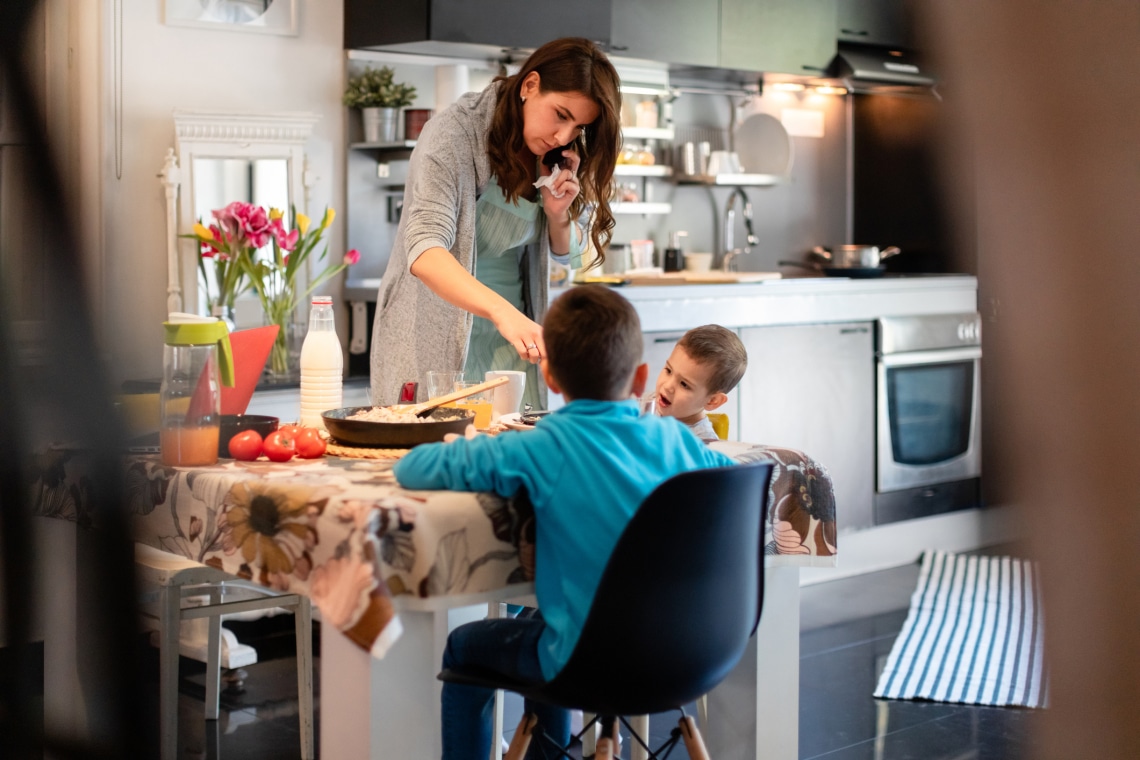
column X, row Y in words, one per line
column 821, row 252
column 886, row 253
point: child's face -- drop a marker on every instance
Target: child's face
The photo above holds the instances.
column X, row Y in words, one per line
column 683, row 388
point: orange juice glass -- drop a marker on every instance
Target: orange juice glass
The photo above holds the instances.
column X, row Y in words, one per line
column 480, row 403
column 184, row 446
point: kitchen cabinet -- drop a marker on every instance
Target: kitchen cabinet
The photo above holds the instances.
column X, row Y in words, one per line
column 670, row 31
column 658, row 346
column 781, row 36
column 812, row 387
column 874, row 22
column 416, row 25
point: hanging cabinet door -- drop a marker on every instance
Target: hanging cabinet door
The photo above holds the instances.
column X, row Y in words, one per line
column 670, row 31
column 784, row 36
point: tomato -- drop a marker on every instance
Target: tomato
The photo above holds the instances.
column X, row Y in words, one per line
column 290, row 429
column 280, row 446
column 246, row 445
column 309, row 443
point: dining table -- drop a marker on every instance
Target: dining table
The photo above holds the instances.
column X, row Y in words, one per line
column 391, row 571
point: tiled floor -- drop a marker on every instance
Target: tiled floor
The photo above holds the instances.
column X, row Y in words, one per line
column 847, row 630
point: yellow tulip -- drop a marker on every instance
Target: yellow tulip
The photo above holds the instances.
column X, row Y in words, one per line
column 203, row 231
column 330, row 214
column 302, row 223
column 275, row 213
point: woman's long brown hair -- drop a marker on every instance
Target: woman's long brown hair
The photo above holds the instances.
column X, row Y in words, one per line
column 571, row 64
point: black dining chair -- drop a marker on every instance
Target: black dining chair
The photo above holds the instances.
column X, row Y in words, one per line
column 678, row 600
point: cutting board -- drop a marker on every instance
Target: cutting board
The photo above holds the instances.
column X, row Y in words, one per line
column 700, row 278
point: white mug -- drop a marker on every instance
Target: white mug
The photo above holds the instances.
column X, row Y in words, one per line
column 506, row 398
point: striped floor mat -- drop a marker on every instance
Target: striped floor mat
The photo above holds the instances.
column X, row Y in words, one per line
column 973, row 635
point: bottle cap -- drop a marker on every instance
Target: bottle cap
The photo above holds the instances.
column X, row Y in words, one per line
column 322, row 300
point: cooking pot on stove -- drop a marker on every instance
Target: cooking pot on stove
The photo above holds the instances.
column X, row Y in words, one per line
column 854, row 256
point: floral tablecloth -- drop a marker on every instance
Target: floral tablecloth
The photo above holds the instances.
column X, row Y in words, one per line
column 343, row 532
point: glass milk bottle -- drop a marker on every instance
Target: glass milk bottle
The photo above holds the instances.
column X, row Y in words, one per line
column 196, row 360
column 322, row 365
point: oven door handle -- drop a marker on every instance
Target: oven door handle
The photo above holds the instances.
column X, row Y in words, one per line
column 941, row 356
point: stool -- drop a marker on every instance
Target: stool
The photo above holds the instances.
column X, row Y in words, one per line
column 169, row 578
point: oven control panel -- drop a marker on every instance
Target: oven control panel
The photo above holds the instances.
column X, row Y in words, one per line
column 928, row 332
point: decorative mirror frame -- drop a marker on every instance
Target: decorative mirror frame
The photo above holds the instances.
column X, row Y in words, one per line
column 279, row 18
column 220, row 134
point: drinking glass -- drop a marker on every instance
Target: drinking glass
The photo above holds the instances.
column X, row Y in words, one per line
column 480, row 403
column 647, row 404
column 442, row 383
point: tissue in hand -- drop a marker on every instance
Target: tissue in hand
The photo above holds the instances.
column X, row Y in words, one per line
column 548, row 181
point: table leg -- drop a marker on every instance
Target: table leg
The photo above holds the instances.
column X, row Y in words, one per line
column 387, row 708
column 754, row 712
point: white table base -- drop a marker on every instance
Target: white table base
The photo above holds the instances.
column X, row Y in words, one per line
column 389, row 708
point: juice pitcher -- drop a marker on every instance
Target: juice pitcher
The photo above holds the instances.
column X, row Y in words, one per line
column 197, row 360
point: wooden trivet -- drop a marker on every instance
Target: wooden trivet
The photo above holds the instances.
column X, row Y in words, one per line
column 363, row 452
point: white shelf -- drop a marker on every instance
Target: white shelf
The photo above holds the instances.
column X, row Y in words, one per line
column 398, row 145
column 621, row 207
column 638, row 170
column 750, row 180
column 644, row 133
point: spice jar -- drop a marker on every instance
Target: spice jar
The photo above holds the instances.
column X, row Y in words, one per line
column 196, row 360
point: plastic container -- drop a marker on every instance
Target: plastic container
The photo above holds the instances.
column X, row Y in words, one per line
column 322, row 365
column 196, row 360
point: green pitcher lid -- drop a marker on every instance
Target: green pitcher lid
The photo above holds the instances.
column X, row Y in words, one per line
column 192, row 330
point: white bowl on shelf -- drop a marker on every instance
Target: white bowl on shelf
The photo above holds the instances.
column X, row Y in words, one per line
column 698, row 262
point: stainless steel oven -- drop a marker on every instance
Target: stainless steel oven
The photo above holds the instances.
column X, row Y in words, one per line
column 928, row 415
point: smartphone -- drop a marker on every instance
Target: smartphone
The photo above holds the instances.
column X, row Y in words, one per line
column 555, row 156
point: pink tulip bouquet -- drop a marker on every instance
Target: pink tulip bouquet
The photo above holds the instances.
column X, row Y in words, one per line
column 252, row 249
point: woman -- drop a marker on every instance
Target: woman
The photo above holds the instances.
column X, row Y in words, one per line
column 467, row 282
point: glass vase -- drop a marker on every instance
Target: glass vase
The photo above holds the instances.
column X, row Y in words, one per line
column 284, row 365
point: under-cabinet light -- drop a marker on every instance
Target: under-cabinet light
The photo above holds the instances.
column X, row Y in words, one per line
column 827, row 89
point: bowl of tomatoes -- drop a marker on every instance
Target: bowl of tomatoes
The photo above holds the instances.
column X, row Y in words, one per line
column 232, row 424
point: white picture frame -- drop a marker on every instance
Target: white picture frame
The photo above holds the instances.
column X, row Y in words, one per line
column 257, row 16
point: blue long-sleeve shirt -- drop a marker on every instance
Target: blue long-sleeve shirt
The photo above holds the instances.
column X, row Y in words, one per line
column 587, row 467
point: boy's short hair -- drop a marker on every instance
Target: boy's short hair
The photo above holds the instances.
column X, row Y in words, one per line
column 593, row 342
column 719, row 348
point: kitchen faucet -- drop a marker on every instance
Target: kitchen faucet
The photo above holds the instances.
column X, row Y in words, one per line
column 730, row 251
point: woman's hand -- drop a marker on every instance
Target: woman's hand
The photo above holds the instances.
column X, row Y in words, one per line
column 557, row 197
column 522, row 333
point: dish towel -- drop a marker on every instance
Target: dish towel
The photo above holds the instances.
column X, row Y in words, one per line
column 973, row 635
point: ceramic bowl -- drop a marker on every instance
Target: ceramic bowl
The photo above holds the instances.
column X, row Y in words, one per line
column 232, row 424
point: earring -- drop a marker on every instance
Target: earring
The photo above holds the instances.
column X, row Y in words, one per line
column 522, row 98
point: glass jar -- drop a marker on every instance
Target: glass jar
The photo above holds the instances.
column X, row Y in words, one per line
column 196, row 360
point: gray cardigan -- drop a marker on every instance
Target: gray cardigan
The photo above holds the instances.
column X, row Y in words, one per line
column 415, row 330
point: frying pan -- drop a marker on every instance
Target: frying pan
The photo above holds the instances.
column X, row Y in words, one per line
column 854, row 256
column 395, row 435
column 857, row 273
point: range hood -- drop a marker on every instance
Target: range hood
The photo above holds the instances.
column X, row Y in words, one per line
column 872, row 67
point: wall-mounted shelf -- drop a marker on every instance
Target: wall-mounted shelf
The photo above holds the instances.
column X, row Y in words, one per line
column 739, row 180
column 620, row 207
column 398, row 145
column 645, row 133
column 638, row 170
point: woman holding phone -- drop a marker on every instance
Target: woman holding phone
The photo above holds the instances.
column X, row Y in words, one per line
column 467, row 282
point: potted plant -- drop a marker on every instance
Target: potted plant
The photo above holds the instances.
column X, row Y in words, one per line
column 379, row 99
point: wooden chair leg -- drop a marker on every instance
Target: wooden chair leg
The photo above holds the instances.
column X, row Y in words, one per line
column 703, row 712
column 694, row 744
column 520, row 742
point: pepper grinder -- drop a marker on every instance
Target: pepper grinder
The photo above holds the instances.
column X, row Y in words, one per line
column 674, row 259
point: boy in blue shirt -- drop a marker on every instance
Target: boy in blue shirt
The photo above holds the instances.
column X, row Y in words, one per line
column 586, row 468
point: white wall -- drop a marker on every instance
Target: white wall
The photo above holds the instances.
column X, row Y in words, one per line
column 167, row 67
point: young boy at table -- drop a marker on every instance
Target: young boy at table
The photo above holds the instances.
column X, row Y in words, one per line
column 586, row 467
column 705, row 365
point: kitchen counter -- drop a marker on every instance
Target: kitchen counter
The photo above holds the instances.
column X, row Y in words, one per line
column 799, row 300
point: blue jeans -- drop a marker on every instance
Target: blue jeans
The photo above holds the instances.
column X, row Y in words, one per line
column 504, row 645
